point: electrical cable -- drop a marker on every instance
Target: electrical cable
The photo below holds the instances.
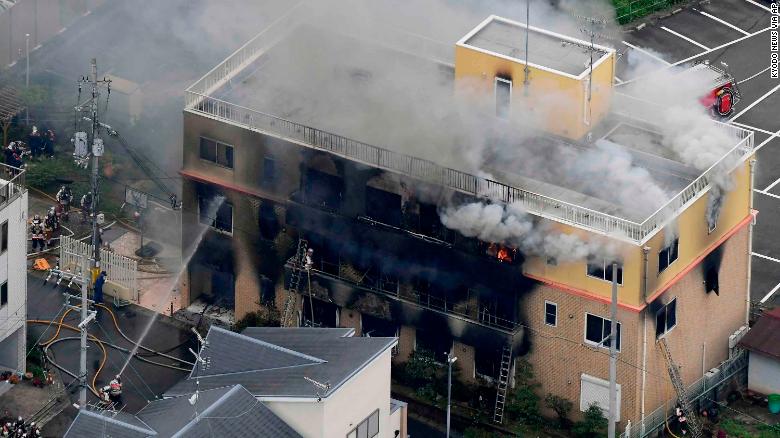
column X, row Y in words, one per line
column 136, row 372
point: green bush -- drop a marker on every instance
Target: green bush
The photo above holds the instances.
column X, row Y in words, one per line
column 420, row 369
column 593, row 424
column 48, row 174
column 561, row 406
column 522, row 403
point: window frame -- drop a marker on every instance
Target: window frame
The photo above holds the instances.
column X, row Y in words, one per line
column 4, row 293
column 216, row 160
column 664, row 309
column 213, row 223
column 495, row 96
column 269, row 180
column 4, row 237
column 603, row 325
column 604, row 271
column 546, row 313
column 714, row 227
column 669, row 253
column 355, row 431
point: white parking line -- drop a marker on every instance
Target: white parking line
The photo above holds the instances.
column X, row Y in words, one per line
column 657, row 58
column 759, row 5
column 619, row 81
column 679, row 35
column 772, row 259
column 770, row 186
column 754, row 76
column 766, row 194
column 763, row 143
column 769, row 295
column 722, row 21
column 759, row 100
column 691, row 58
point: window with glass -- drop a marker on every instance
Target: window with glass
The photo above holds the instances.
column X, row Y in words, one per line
column 666, row 318
column 216, row 152
column 550, row 313
column 598, row 330
column 668, row 255
column 602, row 269
column 367, row 428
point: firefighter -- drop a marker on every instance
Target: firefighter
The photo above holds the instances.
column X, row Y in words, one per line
column 115, row 389
column 309, row 262
column 98, row 288
column 86, row 206
column 105, row 395
column 64, row 199
column 37, row 234
column 50, row 225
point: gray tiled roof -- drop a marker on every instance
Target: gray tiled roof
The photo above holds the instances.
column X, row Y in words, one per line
column 230, row 412
column 93, row 424
column 335, row 357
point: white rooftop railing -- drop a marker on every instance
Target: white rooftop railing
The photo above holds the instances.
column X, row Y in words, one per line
column 199, row 101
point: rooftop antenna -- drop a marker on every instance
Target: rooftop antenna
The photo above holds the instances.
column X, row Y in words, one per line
column 590, row 31
column 319, row 385
column 199, row 361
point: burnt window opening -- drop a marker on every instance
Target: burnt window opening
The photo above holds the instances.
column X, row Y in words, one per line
column 267, row 290
column 487, row 361
column 435, row 341
column 268, row 221
column 221, row 219
column 4, row 294
column 711, row 283
column 323, row 190
column 216, row 152
column 602, row 269
column 383, row 206
column 598, row 330
column 552, row 261
column 503, row 97
column 269, row 171
column 325, row 314
column 668, row 255
column 666, row 318
column 374, row 327
column 550, row 313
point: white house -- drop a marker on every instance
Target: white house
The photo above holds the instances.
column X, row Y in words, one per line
column 763, row 343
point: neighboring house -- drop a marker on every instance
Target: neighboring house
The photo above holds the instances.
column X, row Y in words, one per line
column 13, row 269
column 763, row 343
column 304, row 153
column 323, row 383
column 229, row 412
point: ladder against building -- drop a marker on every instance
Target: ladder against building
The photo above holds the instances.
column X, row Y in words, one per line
column 679, row 387
column 503, row 383
column 291, row 300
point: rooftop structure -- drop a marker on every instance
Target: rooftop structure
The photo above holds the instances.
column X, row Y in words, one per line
column 246, row 90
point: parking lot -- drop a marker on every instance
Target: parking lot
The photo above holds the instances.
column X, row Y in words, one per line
column 735, row 32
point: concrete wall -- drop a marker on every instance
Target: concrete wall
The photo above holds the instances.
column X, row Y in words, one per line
column 13, row 269
column 763, row 374
column 307, row 418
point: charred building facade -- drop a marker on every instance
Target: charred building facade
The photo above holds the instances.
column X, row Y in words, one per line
column 400, row 226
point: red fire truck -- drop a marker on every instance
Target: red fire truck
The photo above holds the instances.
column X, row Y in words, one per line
column 725, row 93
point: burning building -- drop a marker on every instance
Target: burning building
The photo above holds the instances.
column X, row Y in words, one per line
column 473, row 207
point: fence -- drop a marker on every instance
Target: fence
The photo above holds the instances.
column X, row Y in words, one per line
column 11, row 183
column 629, row 10
column 696, row 391
column 119, row 269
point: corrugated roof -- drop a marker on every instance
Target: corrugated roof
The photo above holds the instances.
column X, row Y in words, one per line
column 338, row 359
column 764, row 337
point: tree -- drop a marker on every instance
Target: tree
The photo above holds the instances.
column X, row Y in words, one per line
column 523, row 402
column 561, row 406
column 593, row 423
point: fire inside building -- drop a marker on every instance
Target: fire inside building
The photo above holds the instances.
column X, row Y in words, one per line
column 360, row 220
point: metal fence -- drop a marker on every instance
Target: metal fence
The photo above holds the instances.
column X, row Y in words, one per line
column 119, row 269
column 627, row 11
column 696, row 391
column 11, row 183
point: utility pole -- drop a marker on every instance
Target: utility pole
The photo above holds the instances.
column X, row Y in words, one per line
column 613, row 355
column 527, row 33
column 590, row 31
column 27, row 75
column 450, row 360
column 83, row 327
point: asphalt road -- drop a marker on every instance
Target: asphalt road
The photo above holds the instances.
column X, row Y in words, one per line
column 734, row 32
column 45, row 302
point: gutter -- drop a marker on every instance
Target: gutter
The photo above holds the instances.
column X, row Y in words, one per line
column 645, row 251
column 750, row 242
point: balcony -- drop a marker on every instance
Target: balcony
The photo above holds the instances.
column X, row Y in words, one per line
column 11, row 184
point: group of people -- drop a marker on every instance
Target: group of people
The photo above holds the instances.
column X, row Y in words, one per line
column 21, row 429
column 41, row 142
column 15, row 153
column 42, row 230
column 65, row 199
column 111, row 394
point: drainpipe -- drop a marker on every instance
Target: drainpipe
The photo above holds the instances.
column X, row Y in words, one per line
column 750, row 242
column 645, row 251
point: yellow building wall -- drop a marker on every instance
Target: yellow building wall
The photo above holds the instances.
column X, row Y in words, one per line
column 694, row 238
column 554, row 102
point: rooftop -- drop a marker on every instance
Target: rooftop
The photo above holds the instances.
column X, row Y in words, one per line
column 386, row 106
column 764, row 337
column 273, row 361
column 548, row 50
column 230, row 412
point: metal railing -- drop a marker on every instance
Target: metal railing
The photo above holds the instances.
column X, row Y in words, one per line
column 12, row 181
column 627, row 11
column 696, row 390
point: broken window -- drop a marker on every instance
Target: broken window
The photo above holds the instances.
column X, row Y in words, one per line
column 268, row 221
column 602, row 269
column 323, row 189
column 269, row 171
column 597, row 331
column 325, row 314
column 216, row 152
column 222, row 219
column 550, row 313
column 487, row 361
column 711, row 280
column 437, row 342
column 383, row 206
column 668, row 255
column 374, row 327
column 503, row 97
column 666, row 318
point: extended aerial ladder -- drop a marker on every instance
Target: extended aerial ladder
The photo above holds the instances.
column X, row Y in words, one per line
column 679, row 388
column 503, row 383
column 298, row 268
